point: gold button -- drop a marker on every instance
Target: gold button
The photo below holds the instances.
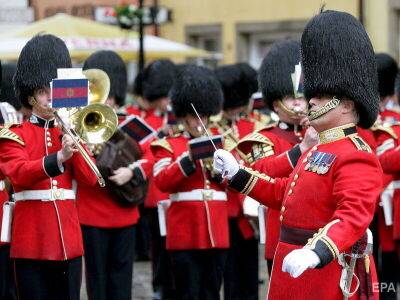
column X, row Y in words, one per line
column 314, row 148
column 283, row 209
column 305, row 160
column 281, row 218
column 296, row 176
column 309, row 154
column 49, row 144
column 54, row 182
column 290, row 192
column 47, row 133
column 48, row 139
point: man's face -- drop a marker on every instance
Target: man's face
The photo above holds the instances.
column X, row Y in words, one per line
column 161, row 104
column 298, row 105
column 193, row 125
column 337, row 116
column 43, row 100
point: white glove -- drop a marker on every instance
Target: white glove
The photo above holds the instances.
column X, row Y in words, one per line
column 297, row 261
column 225, row 164
column 250, row 207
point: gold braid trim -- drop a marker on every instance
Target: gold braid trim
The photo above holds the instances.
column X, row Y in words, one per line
column 163, row 143
column 322, row 235
column 360, row 143
column 6, row 133
column 255, row 175
column 379, row 126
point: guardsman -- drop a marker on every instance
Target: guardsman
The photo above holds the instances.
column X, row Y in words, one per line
column 238, row 82
column 157, row 81
column 387, row 73
column 387, row 130
column 108, row 227
column 41, row 163
column 8, row 115
column 197, row 220
column 328, row 201
column 275, row 80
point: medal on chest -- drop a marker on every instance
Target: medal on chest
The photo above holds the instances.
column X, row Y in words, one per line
column 320, row 162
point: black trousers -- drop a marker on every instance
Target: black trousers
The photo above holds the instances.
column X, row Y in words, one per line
column 241, row 271
column 45, row 279
column 109, row 255
column 160, row 259
column 198, row 273
column 142, row 246
column 7, row 286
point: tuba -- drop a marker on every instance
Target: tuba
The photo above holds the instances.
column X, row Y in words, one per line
column 95, row 123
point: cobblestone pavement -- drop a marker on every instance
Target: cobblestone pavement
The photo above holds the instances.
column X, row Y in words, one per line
column 142, row 280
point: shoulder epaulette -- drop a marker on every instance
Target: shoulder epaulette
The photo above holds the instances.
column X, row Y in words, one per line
column 360, row 143
column 261, row 126
column 256, row 137
column 6, row 133
column 385, row 128
column 163, row 143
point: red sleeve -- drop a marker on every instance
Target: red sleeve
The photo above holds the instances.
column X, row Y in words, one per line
column 16, row 164
column 355, row 194
column 260, row 187
column 168, row 172
column 388, row 153
column 81, row 170
column 146, row 163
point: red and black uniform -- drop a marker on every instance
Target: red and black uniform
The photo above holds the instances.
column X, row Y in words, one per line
column 162, row 278
column 197, row 220
column 386, row 140
column 241, row 273
column 46, row 231
column 109, row 240
column 390, row 116
column 326, row 205
column 265, row 153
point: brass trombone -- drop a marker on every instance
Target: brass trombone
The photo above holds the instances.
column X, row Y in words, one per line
column 95, row 123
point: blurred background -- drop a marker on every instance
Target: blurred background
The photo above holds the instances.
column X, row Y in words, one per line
column 232, row 30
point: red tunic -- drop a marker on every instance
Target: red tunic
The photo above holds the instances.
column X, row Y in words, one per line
column 390, row 116
column 45, row 230
column 275, row 163
column 341, row 201
column 199, row 224
column 389, row 155
column 238, row 130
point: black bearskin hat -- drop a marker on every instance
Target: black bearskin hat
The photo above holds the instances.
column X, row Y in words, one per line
column 338, row 60
column 111, row 63
column 275, row 74
column 238, row 82
column 137, row 84
column 199, row 86
column 387, row 72
column 157, row 79
column 7, row 93
column 37, row 65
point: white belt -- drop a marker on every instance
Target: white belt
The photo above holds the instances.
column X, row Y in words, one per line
column 199, row 195
column 395, row 184
column 2, row 185
column 45, row 195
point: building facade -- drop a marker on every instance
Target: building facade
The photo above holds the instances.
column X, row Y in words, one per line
column 243, row 30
